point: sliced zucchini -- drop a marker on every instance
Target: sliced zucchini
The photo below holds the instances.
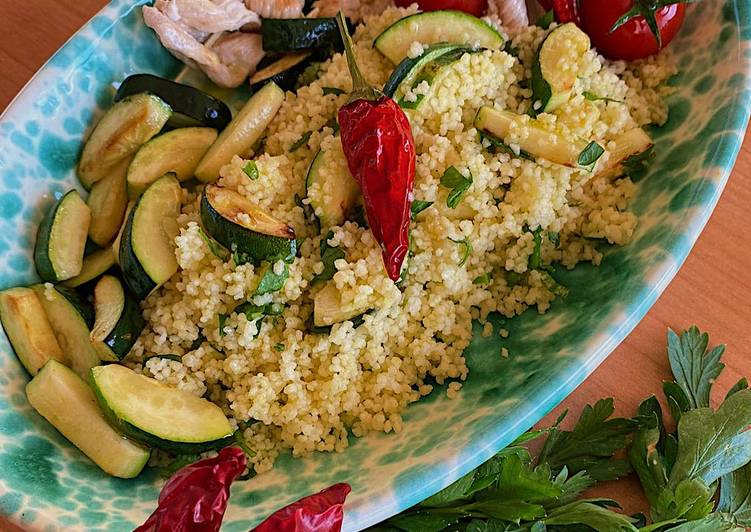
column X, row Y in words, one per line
column 295, row 34
column 431, row 73
column 331, row 189
column 66, row 401
column 243, row 132
column 118, row 320
column 119, row 237
column 191, row 107
column 70, row 318
column 632, row 143
column 405, row 73
column 556, row 66
column 157, row 414
column 328, row 307
column 108, row 200
column 147, row 247
column 434, row 27
column 178, row 151
column 534, row 138
column 94, row 265
column 119, row 134
column 61, row 239
column 28, row 329
column 241, row 227
column 284, row 72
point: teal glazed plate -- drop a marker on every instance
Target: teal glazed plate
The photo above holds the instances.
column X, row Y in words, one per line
column 47, row 484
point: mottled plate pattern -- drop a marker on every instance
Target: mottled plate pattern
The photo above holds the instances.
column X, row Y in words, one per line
column 46, row 484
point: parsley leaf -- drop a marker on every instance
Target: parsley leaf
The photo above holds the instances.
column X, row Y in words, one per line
column 482, row 279
column 535, row 259
column 694, row 368
column 590, row 446
column 555, row 238
column 546, row 20
column 742, row 384
column 420, row 205
column 590, row 513
column 329, row 255
column 272, row 281
column 279, row 347
column 302, row 141
column 590, row 155
column 251, row 170
column 467, row 249
column 497, row 145
column 636, row 165
column 592, row 97
column 336, row 91
column 222, row 321
column 735, row 495
column 458, row 184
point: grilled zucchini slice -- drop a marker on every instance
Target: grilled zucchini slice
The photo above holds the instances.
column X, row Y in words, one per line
column 108, row 200
column 118, row 320
column 94, row 265
column 331, row 189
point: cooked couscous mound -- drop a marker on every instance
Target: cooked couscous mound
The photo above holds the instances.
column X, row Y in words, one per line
column 290, row 387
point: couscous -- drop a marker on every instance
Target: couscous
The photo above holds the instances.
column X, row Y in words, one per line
column 257, row 295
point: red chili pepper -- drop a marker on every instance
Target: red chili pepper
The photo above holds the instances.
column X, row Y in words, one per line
column 380, row 151
column 194, row 499
column 321, row 512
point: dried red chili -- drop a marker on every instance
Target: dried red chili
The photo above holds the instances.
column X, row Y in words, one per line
column 380, row 151
column 194, row 499
column 321, row 512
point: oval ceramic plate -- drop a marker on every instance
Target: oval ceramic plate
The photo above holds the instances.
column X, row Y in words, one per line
column 46, row 484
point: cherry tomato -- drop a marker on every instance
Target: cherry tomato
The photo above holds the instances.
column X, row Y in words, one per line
column 634, row 39
column 473, row 7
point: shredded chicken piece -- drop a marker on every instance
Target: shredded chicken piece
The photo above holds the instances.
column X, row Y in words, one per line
column 513, row 13
column 213, row 17
column 239, row 54
column 355, row 10
column 169, row 8
column 227, row 63
column 276, row 8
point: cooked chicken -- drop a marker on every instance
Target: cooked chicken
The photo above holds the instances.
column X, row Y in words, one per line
column 213, row 17
column 512, row 13
column 169, row 8
column 239, row 54
column 276, row 8
column 228, row 62
column 355, row 10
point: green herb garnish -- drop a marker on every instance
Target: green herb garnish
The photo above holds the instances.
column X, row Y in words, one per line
column 637, row 164
column 592, row 97
column 466, row 249
column 590, row 155
column 551, row 284
column 453, row 179
column 420, row 205
column 535, row 259
column 272, row 281
column 299, row 143
column 279, row 347
column 329, row 255
column 336, row 91
column 482, row 279
column 546, row 20
column 555, row 238
column 222, row 321
column 251, row 170
column 497, row 145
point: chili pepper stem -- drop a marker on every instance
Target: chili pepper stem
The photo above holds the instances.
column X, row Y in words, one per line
column 360, row 86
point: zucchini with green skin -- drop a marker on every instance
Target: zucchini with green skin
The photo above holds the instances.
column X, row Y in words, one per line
column 118, row 320
column 159, row 415
column 118, row 135
column 243, row 228
column 191, row 107
column 147, row 245
column 284, row 71
column 405, row 73
column 94, row 265
column 328, row 307
column 242, row 133
column 433, row 27
column 178, row 151
column 534, row 139
column 431, row 73
column 28, row 329
column 71, row 318
column 555, row 67
column 61, row 239
column 295, row 34
column 331, row 189
column 66, row 401
column 107, row 201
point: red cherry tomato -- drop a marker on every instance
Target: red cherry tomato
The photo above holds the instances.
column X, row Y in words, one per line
column 473, row 7
column 633, row 40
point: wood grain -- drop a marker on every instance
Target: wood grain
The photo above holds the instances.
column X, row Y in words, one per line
column 712, row 289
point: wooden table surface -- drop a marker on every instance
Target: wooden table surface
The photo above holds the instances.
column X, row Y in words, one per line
column 712, row 289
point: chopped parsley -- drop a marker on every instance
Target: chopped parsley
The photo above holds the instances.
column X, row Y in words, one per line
column 592, row 97
column 302, row 141
column 453, row 179
column 329, row 255
column 251, row 170
column 546, row 20
column 555, row 238
column 279, row 347
column 590, row 155
column 466, row 246
column 336, row 91
column 535, row 259
column 420, row 205
column 222, row 321
column 482, row 279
